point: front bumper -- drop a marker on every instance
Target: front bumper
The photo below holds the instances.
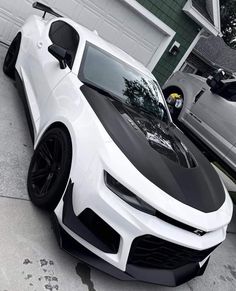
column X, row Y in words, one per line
column 172, row 277
column 149, row 258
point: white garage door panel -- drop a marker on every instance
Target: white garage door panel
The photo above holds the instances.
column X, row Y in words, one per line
column 115, row 20
column 128, row 43
column 89, row 18
column 120, row 11
column 144, row 54
column 67, row 8
column 109, row 30
column 8, row 28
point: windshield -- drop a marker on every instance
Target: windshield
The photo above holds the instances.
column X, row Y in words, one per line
column 132, row 87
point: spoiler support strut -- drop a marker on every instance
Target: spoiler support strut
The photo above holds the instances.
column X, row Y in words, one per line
column 46, row 9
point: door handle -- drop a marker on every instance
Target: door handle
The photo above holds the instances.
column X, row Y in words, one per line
column 199, row 94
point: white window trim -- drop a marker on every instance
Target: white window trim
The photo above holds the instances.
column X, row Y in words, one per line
column 217, row 18
column 193, row 13
column 181, row 62
column 190, row 65
column 167, row 31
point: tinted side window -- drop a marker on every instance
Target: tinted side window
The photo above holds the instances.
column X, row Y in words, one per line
column 229, row 92
column 63, row 35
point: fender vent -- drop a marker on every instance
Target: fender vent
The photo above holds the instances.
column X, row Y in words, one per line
column 106, row 234
column 89, row 225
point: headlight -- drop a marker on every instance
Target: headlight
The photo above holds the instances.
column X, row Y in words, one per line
column 127, row 195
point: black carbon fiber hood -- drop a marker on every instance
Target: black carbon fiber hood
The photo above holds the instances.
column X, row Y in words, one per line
column 159, row 135
column 161, row 152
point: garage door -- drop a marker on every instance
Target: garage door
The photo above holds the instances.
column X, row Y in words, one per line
column 125, row 23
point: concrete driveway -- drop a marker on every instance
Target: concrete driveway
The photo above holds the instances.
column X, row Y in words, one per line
column 30, row 258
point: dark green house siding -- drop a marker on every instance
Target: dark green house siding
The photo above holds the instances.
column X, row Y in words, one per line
column 170, row 12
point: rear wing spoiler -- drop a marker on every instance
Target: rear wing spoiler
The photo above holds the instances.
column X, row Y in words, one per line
column 45, row 8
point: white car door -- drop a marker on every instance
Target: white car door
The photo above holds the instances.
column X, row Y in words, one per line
column 44, row 72
column 213, row 118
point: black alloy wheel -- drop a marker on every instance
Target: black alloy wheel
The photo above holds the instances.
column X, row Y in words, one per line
column 11, row 57
column 49, row 168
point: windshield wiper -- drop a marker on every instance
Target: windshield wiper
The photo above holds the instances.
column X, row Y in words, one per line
column 98, row 89
column 102, row 91
column 141, row 109
column 114, row 97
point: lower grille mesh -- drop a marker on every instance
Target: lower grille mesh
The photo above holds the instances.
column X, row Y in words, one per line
column 152, row 252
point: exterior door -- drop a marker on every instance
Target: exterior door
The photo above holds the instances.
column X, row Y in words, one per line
column 43, row 70
column 213, row 117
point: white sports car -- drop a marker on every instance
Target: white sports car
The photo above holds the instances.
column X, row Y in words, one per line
column 130, row 193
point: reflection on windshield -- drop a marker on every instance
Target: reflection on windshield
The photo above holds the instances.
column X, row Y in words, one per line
column 132, row 87
column 144, row 94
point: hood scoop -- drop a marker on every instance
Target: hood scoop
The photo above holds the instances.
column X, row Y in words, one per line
column 172, row 149
column 160, row 138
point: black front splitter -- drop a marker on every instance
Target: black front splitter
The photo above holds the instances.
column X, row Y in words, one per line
column 133, row 273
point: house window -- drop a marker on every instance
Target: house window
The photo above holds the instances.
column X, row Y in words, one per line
column 188, row 68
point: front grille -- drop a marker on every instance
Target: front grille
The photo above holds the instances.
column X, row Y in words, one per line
column 152, row 252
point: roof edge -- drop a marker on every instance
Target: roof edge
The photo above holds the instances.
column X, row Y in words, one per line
column 210, row 62
column 193, row 13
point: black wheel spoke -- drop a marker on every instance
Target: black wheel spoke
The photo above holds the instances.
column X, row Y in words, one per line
column 56, row 150
column 49, row 169
column 39, row 175
column 45, row 153
column 46, row 166
column 46, row 184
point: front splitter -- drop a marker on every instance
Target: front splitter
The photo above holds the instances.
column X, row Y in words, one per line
column 133, row 273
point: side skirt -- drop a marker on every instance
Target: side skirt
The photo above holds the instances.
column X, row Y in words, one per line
column 21, row 90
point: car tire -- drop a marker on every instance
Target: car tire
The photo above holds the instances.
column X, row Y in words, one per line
column 50, row 168
column 11, row 57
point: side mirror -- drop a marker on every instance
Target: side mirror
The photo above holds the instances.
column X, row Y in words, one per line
column 59, row 53
column 215, row 84
column 219, row 75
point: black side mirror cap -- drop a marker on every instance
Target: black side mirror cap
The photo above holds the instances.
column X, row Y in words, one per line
column 215, row 85
column 59, row 53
